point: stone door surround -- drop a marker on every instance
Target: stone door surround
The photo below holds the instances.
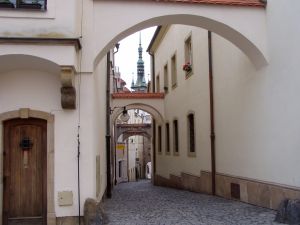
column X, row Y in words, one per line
column 25, row 113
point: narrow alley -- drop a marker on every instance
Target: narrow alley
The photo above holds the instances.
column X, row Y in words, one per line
column 141, row 203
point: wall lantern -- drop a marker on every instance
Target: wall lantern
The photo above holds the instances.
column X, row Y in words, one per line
column 124, row 116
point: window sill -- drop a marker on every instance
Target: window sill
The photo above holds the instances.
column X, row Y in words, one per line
column 191, row 154
column 168, row 153
column 176, row 153
column 22, row 9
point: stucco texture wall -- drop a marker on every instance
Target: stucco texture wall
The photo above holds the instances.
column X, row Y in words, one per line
column 189, row 96
column 257, row 111
column 40, row 90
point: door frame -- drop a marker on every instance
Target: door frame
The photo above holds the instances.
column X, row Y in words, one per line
column 25, row 113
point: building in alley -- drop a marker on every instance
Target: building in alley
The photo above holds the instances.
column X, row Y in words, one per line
column 137, row 146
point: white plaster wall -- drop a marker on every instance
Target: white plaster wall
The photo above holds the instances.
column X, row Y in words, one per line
column 39, row 90
column 99, row 121
column 132, row 16
column 60, row 20
column 257, row 112
column 190, row 95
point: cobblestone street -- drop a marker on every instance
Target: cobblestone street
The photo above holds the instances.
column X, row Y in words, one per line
column 140, row 203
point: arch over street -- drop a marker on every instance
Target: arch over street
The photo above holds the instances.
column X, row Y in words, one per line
column 133, row 130
column 148, row 102
column 245, row 26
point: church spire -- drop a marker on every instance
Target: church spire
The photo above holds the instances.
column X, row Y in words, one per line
column 140, row 48
column 140, row 84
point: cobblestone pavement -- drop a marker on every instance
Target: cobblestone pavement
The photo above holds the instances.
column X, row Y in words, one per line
column 141, row 203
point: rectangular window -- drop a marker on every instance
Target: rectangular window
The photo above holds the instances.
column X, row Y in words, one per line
column 157, row 84
column 176, row 144
column 191, row 134
column 159, row 139
column 24, row 4
column 167, row 138
column 174, row 71
column 188, row 56
column 166, row 79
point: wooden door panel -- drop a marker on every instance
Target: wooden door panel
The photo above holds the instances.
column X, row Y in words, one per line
column 25, row 183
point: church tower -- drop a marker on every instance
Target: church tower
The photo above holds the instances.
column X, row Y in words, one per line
column 140, row 84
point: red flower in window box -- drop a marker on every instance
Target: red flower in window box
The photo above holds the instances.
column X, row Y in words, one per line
column 187, row 67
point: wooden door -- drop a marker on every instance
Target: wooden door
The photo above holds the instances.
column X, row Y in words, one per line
column 25, row 172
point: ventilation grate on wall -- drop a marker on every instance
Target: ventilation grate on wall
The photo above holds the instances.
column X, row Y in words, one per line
column 235, row 191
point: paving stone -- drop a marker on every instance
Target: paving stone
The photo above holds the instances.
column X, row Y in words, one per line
column 141, row 203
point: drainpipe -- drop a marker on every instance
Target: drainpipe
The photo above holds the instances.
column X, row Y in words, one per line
column 108, row 153
column 115, row 144
column 127, row 147
column 212, row 122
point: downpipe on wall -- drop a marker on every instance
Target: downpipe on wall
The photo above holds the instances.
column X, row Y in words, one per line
column 212, row 122
column 107, row 137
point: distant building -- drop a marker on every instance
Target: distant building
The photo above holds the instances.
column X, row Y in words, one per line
column 138, row 148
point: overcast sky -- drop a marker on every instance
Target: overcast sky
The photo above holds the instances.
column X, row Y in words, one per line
column 126, row 58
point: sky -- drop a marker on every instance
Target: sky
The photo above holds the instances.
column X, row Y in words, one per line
column 126, row 58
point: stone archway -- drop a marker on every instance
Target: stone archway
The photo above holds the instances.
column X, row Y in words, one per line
column 128, row 130
column 244, row 26
column 67, row 73
column 145, row 107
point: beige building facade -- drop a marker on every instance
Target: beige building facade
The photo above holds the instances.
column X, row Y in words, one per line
column 244, row 169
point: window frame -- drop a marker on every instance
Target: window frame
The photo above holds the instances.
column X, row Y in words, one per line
column 167, row 137
column 157, row 80
column 175, row 138
column 191, row 131
column 19, row 5
column 188, row 54
column 159, row 139
column 166, row 78
column 174, row 70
